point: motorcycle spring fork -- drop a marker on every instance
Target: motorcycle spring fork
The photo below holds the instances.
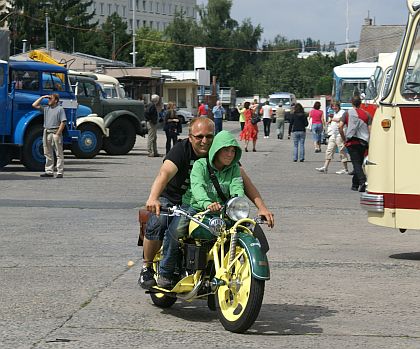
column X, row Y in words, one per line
column 232, row 249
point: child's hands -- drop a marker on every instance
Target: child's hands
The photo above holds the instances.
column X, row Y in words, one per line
column 215, row 206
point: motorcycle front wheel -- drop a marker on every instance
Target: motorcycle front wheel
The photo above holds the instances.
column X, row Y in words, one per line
column 239, row 301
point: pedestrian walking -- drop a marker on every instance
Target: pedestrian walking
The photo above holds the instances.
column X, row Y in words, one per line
column 335, row 141
column 152, row 113
column 52, row 139
column 317, row 120
column 241, row 110
column 280, row 114
column 218, row 112
column 266, row 111
column 171, row 126
column 250, row 131
column 298, row 123
column 356, row 139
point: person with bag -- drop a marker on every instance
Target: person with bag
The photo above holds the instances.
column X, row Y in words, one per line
column 171, row 125
column 298, row 123
column 250, row 131
column 317, row 121
column 356, row 139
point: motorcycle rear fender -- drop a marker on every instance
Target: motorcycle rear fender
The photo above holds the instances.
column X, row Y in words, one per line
column 257, row 258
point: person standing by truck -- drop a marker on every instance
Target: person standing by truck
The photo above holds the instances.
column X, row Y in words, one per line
column 152, row 114
column 218, row 112
column 54, row 124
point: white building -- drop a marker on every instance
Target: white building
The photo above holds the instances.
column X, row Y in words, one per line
column 156, row 14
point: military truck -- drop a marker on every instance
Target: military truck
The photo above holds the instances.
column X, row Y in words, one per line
column 124, row 117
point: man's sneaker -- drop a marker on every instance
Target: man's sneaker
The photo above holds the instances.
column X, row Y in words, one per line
column 343, row 171
column 165, row 282
column 147, row 279
column 322, row 169
column 46, row 175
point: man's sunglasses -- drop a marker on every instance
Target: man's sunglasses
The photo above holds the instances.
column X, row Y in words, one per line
column 200, row 137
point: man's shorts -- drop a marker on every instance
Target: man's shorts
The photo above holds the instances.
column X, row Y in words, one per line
column 156, row 226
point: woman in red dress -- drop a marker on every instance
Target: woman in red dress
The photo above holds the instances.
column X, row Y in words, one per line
column 250, row 131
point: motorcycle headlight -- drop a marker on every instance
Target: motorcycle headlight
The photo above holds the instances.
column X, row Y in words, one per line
column 237, row 208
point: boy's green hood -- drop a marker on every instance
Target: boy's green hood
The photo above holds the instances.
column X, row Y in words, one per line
column 221, row 140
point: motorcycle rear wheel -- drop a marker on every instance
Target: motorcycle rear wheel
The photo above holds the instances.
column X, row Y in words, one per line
column 239, row 302
column 162, row 301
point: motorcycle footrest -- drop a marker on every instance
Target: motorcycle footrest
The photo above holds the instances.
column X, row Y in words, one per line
column 156, row 289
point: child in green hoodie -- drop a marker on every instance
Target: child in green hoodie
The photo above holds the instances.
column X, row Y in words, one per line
column 224, row 156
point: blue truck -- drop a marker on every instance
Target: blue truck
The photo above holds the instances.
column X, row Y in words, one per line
column 21, row 126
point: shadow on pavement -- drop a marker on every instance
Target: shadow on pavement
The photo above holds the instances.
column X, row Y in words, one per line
column 273, row 320
column 412, row 256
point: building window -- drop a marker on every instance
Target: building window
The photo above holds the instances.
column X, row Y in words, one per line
column 150, row 6
column 169, row 9
column 131, row 24
column 164, row 8
column 144, row 6
column 157, row 7
column 151, row 24
column 102, row 8
column 138, row 23
column 158, row 26
column 137, row 5
column 144, row 24
column 123, row 11
column 109, row 9
column 117, row 9
column 179, row 96
column 176, row 9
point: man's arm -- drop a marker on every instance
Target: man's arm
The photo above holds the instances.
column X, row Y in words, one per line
column 167, row 171
column 341, row 130
column 37, row 103
column 253, row 194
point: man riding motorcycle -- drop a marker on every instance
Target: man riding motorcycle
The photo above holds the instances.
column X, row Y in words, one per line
column 173, row 181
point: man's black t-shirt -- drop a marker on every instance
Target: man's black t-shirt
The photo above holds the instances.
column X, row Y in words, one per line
column 183, row 156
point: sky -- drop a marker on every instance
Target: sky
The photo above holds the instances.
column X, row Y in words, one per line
column 323, row 20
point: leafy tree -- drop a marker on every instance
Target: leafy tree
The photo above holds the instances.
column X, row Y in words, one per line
column 150, row 52
column 112, row 41
column 29, row 23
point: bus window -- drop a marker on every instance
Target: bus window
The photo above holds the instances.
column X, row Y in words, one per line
column 410, row 89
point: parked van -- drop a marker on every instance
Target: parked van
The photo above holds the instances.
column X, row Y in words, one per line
column 110, row 85
column 392, row 198
column 285, row 98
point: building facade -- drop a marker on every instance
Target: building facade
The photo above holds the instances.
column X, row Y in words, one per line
column 156, row 14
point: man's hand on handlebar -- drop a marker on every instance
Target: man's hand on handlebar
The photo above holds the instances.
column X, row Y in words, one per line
column 267, row 215
column 215, row 206
column 153, row 205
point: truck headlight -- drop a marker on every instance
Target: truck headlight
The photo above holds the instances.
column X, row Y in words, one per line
column 237, row 208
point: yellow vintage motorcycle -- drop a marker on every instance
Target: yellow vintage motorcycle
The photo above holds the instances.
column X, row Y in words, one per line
column 223, row 259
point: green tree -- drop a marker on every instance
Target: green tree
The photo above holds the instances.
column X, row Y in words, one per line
column 151, row 52
column 64, row 17
column 112, row 41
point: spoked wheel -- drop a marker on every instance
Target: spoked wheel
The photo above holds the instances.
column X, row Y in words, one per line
column 239, row 302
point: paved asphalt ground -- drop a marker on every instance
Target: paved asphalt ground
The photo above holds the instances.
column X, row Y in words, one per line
column 337, row 282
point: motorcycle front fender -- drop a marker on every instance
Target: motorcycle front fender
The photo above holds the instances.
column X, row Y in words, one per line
column 257, row 258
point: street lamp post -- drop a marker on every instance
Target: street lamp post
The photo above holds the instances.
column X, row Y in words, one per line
column 134, row 34
column 46, row 30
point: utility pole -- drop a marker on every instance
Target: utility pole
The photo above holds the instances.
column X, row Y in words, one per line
column 134, row 34
column 46, row 30
column 113, row 41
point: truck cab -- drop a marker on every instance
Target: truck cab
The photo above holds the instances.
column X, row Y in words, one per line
column 392, row 198
column 124, row 117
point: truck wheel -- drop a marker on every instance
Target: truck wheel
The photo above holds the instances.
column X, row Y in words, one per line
column 122, row 137
column 89, row 144
column 33, row 152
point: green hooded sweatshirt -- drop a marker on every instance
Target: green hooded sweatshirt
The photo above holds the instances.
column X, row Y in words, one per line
column 202, row 189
